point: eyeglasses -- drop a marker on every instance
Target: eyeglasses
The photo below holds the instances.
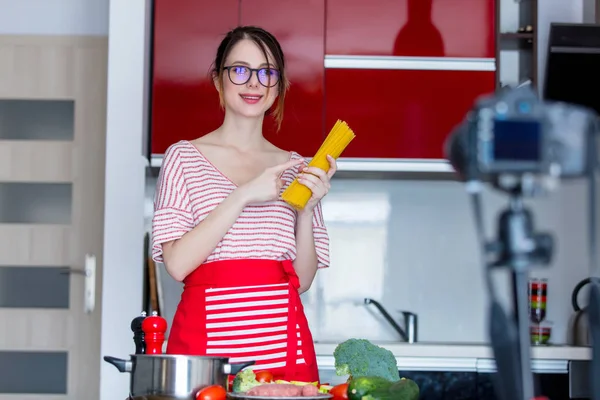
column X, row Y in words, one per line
column 240, row 75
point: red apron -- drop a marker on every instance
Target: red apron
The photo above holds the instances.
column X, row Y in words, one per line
column 246, row 310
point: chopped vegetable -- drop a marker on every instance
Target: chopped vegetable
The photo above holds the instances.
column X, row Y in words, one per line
column 300, row 383
column 245, row 380
column 297, row 383
column 325, row 388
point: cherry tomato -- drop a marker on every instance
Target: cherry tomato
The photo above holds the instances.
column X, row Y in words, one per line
column 340, row 392
column 264, row 377
column 213, row 392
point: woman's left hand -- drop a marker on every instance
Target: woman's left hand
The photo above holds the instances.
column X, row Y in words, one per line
column 318, row 181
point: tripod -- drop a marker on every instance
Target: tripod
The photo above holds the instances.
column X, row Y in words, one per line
column 517, row 247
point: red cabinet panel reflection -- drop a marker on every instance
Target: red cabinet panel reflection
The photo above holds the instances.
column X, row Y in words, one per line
column 185, row 103
column 401, row 113
column 426, row 28
column 300, row 28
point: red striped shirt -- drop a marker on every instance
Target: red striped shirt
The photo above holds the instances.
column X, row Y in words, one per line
column 190, row 187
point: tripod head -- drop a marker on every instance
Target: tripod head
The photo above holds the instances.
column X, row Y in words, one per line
column 517, row 245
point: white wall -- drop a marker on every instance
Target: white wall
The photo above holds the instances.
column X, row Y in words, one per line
column 54, row 17
column 125, row 171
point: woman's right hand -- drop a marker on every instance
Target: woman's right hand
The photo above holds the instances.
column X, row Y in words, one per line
column 267, row 186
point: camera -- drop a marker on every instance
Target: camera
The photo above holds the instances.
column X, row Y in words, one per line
column 522, row 146
column 515, row 133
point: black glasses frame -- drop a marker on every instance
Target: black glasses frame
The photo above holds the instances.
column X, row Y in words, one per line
column 252, row 70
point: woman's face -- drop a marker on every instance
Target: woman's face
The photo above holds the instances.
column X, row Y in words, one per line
column 246, row 79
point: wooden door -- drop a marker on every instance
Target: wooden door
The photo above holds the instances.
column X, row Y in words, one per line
column 52, row 152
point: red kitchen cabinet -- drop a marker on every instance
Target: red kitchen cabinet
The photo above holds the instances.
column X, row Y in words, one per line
column 424, row 28
column 402, row 113
column 299, row 26
column 184, row 101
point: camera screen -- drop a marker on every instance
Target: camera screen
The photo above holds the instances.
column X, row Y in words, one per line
column 516, row 140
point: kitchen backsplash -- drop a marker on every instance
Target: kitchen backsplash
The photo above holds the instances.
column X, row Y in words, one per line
column 411, row 245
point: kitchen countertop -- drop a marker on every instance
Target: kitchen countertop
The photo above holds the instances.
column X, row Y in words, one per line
column 464, row 350
column 424, row 356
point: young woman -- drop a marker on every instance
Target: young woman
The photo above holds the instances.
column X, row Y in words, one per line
column 220, row 225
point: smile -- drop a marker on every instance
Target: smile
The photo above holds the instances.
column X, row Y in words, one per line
column 251, row 98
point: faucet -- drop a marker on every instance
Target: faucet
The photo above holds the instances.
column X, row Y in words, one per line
column 410, row 322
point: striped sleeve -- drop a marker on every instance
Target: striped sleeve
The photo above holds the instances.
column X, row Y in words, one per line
column 173, row 215
column 321, row 237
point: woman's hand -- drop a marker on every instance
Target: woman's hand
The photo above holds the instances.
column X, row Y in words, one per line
column 318, row 181
column 267, row 186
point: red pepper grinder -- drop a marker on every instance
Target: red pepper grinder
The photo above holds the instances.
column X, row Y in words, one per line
column 154, row 328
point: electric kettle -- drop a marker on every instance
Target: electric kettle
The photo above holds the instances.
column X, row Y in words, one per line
column 579, row 328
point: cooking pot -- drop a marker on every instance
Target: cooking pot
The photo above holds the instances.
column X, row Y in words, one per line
column 579, row 328
column 170, row 376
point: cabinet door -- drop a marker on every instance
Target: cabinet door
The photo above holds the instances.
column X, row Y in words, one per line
column 402, row 113
column 185, row 103
column 425, row 28
column 299, row 26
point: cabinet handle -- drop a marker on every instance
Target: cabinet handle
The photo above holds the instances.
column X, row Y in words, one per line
column 89, row 272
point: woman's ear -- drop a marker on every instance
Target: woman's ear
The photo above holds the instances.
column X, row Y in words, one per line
column 217, row 84
column 215, row 78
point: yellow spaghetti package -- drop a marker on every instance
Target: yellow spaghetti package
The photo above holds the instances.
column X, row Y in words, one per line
column 296, row 194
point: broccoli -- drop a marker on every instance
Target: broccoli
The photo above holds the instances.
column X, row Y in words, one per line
column 359, row 357
column 244, row 381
